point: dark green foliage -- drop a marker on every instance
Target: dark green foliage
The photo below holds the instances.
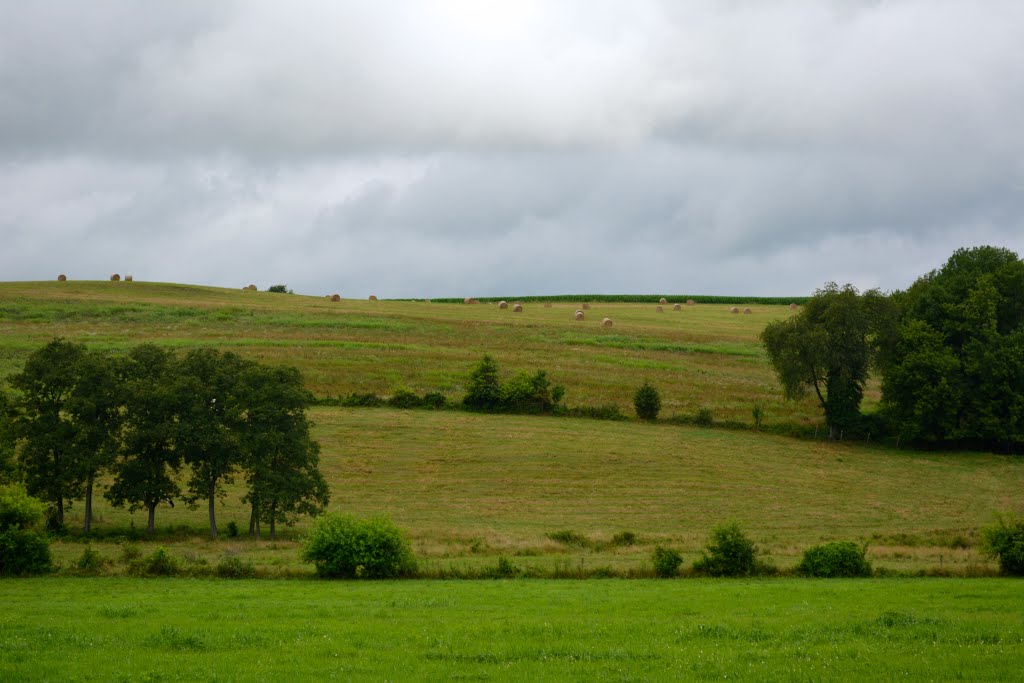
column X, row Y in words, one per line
column 729, row 552
column 355, row 400
column 1005, row 542
column 953, row 365
column 569, row 537
column 8, row 467
column 827, row 347
column 90, row 561
column 403, row 398
column 279, row 289
column 757, row 412
column 606, row 412
column 232, row 529
column 624, row 538
column 18, row 510
column 23, row 552
column 484, row 392
column 838, row 559
column 503, row 569
column 666, row 562
column 647, row 402
column 435, row 400
column 158, row 563
column 526, row 393
column 343, row 546
column 704, row 417
column 235, row 568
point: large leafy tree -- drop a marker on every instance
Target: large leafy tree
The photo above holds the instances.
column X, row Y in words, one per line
column 827, row 348
column 48, row 432
column 954, row 369
column 144, row 473
column 280, row 458
column 210, row 414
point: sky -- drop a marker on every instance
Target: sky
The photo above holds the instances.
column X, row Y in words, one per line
column 431, row 148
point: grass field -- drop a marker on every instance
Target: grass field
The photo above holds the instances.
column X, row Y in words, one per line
column 768, row 630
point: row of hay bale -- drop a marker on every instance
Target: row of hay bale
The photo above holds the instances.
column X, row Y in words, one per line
column 113, row 278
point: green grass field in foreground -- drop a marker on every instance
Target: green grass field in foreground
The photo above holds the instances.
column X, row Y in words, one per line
column 769, row 630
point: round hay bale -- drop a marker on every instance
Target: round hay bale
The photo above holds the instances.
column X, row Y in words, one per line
column 677, row 307
column 517, row 308
column 691, row 302
column 659, row 309
column 502, row 305
column 793, row 307
column 585, row 307
column 251, row 288
column 373, row 298
column 607, row 322
column 470, row 300
column 747, row 311
column 579, row 315
column 115, row 278
column 62, row 278
column 662, row 301
column 128, row 278
column 547, row 304
column 734, row 310
column 335, row 297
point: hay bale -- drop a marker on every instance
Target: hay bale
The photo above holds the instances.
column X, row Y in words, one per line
column 547, row 304
column 115, row 278
column 502, row 305
column 662, row 301
column 62, row 278
column 677, row 307
column 517, row 308
column 426, row 301
column 579, row 315
column 747, row 311
column 734, row 310
column 607, row 322
column 373, row 298
column 659, row 309
column 127, row 278
column 470, row 300
column 585, row 307
column 335, row 297
column 251, row 288
column 792, row 307
column 691, row 302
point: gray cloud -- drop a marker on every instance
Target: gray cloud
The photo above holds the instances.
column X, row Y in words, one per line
column 454, row 147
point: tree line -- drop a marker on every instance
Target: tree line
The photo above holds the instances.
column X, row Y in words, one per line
column 949, row 351
column 146, row 419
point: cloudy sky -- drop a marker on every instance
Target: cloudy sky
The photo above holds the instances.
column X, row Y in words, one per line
column 481, row 147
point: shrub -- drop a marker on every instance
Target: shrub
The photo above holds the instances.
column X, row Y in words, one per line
column 18, row 510
column 647, row 402
column 403, row 398
column 666, row 562
column 232, row 529
column 834, row 560
column 605, row 412
column 1005, row 542
column 23, row 552
column 504, row 569
column 130, row 553
column 342, row 546
column 235, row 568
column 758, row 414
column 526, row 393
column 279, row 289
column 435, row 400
column 356, row 400
column 484, row 386
column 90, row 561
column 729, row 552
column 704, row 417
column 158, row 563
column 568, row 537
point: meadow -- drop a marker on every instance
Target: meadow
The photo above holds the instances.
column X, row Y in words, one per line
column 764, row 630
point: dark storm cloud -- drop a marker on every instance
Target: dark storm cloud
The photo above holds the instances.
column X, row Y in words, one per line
column 471, row 147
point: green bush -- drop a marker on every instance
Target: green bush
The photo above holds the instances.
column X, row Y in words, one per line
column 403, row 398
column 235, row 568
column 1005, row 542
column 279, row 289
column 834, row 560
column 484, row 392
column 729, row 552
column 435, row 400
column 232, row 529
column 342, row 546
column 356, row 400
column 647, row 402
column 23, row 552
column 504, row 569
column 704, row 417
column 90, row 561
column 158, row 563
column 18, row 510
column 666, row 562
column 568, row 537
column 624, row 538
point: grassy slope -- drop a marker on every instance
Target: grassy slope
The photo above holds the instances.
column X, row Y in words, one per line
column 781, row 630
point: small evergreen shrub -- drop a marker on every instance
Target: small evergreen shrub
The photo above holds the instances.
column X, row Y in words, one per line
column 23, row 553
column 235, row 568
column 484, row 392
column 838, row 559
column 232, row 529
column 729, row 552
column 666, row 562
column 647, row 402
column 342, row 546
column 1005, row 541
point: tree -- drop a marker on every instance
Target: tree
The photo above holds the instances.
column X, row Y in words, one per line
column 953, row 370
column 94, row 409
column 280, row 457
column 7, row 464
column 209, row 414
column 647, row 402
column 47, row 453
column 484, row 387
column 144, row 471
column 827, row 347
